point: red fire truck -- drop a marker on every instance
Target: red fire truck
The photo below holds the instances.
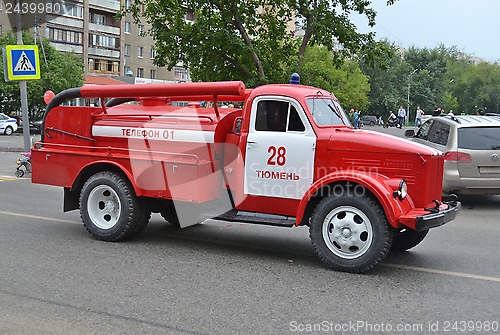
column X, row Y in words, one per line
column 283, row 155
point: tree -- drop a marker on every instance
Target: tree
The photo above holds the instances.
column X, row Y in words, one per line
column 58, row 71
column 347, row 82
column 252, row 40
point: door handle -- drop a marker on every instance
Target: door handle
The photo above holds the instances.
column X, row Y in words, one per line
column 251, row 142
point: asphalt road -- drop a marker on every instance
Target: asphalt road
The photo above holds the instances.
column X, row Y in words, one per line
column 220, row 278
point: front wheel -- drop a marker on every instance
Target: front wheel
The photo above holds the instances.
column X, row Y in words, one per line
column 109, row 208
column 19, row 173
column 8, row 131
column 406, row 238
column 350, row 233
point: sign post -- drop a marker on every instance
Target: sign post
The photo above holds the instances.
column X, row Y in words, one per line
column 22, row 63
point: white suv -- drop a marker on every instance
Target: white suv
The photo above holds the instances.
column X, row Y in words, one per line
column 472, row 151
column 8, row 125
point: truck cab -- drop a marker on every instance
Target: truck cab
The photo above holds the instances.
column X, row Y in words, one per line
column 283, row 155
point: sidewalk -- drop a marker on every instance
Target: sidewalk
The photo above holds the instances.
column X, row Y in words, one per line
column 15, row 142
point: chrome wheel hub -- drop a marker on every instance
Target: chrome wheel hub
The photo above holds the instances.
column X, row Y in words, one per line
column 347, row 232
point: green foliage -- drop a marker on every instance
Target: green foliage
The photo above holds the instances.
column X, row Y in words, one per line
column 58, row 71
column 347, row 82
column 443, row 77
column 252, row 40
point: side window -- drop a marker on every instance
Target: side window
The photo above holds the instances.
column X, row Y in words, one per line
column 294, row 122
column 276, row 115
column 423, row 132
column 439, row 133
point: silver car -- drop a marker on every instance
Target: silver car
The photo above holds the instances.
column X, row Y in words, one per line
column 472, row 151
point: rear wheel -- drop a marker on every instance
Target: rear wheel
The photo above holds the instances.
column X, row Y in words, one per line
column 406, row 238
column 189, row 213
column 350, row 233
column 8, row 131
column 109, row 208
column 170, row 215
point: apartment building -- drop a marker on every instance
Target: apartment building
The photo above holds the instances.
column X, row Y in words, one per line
column 109, row 47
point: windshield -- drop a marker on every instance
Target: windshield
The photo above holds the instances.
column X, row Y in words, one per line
column 327, row 112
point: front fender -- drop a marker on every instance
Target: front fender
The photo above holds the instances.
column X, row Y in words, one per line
column 378, row 185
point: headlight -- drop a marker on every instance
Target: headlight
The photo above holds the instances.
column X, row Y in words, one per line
column 402, row 191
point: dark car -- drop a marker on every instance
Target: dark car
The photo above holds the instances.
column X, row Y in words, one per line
column 36, row 126
column 369, row 119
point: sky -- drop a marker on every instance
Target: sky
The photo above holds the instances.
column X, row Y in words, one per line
column 473, row 26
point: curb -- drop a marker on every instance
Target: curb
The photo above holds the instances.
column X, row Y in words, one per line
column 11, row 150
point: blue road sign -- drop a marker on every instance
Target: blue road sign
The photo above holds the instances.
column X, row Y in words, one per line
column 22, row 62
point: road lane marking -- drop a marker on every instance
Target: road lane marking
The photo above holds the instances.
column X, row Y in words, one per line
column 192, row 238
column 7, row 178
column 36, row 217
column 442, row 272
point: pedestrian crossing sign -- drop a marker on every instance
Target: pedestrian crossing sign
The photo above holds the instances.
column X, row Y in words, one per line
column 22, row 62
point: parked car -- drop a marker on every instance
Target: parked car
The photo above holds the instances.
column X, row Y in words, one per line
column 472, row 151
column 36, row 126
column 8, row 124
column 369, row 119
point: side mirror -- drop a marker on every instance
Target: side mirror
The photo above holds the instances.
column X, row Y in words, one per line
column 409, row 133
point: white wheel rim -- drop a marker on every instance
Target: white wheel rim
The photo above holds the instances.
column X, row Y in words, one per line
column 347, row 232
column 104, row 207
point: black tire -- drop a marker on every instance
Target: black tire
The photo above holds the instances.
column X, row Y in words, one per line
column 8, row 131
column 406, row 238
column 350, row 233
column 109, row 208
column 189, row 213
column 372, row 123
column 19, row 173
column 170, row 215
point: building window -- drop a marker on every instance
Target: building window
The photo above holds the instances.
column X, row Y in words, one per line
column 66, row 36
column 140, row 29
column 140, row 52
column 181, row 74
column 70, row 9
column 152, row 74
column 128, row 26
column 1, row 32
column 128, row 3
column 153, row 53
column 104, row 41
column 127, row 50
column 140, row 72
column 99, row 19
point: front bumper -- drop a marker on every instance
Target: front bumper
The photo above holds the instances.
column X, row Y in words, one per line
column 431, row 220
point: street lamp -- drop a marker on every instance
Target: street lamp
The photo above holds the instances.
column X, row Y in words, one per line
column 409, row 81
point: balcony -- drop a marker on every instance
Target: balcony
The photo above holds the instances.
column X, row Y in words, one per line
column 104, row 29
column 107, row 5
column 65, row 21
column 104, row 52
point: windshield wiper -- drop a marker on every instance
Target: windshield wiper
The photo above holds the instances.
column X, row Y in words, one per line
column 336, row 112
column 495, row 147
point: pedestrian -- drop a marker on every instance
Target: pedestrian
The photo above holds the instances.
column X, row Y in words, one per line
column 401, row 116
column 436, row 111
column 418, row 117
column 356, row 119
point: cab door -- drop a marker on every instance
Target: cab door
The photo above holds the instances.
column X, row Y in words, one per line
column 280, row 148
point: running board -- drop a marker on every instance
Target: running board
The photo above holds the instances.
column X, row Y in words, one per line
column 257, row 218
